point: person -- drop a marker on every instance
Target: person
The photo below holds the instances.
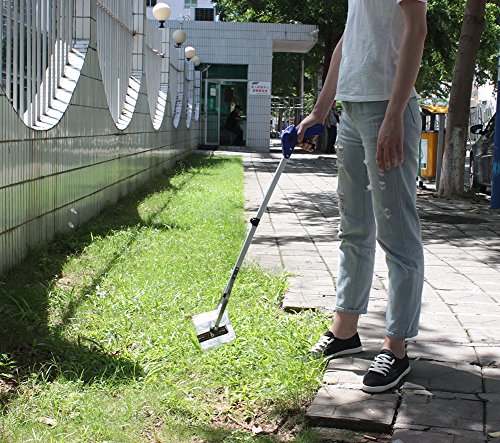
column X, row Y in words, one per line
column 233, row 125
column 332, row 119
column 373, row 71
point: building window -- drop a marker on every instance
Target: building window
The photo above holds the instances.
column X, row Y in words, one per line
column 190, row 4
column 151, row 3
column 204, row 14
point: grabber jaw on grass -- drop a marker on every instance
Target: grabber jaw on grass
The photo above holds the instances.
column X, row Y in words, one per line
column 211, row 336
column 213, row 328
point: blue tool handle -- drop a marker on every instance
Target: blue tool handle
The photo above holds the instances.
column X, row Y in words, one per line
column 313, row 131
column 289, row 137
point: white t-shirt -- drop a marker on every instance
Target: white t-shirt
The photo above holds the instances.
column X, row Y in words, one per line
column 372, row 39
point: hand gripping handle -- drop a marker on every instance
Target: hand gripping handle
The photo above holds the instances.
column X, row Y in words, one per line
column 289, row 137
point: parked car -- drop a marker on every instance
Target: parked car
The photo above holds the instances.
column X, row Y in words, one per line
column 481, row 156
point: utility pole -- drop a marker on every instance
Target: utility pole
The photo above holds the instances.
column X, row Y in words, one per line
column 495, row 176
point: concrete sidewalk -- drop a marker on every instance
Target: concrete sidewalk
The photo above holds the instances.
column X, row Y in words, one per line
column 453, row 391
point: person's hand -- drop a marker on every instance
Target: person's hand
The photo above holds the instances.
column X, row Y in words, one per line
column 390, row 143
column 311, row 120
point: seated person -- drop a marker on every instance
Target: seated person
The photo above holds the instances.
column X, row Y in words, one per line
column 233, row 125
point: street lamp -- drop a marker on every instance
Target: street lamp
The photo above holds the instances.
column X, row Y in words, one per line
column 179, row 37
column 189, row 52
column 161, row 12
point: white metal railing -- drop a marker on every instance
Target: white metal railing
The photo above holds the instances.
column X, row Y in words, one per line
column 197, row 95
column 178, row 84
column 41, row 53
column 43, row 47
column 156, row 56
column 189, row 70
column 115, row 47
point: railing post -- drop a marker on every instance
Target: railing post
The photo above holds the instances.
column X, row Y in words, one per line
column 139, row 15
column 495, row 175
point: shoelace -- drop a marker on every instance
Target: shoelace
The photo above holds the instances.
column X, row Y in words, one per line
column 323, row 342
column 382, row 364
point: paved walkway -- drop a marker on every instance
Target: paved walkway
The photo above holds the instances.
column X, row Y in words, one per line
column 453, row 391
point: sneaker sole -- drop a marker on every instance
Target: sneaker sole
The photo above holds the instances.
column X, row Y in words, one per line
column 344, row 352
column 377, row 389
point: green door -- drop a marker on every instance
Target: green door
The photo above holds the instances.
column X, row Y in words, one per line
column 212, row 99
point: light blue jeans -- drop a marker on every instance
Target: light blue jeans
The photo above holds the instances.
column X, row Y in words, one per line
column 381, row 207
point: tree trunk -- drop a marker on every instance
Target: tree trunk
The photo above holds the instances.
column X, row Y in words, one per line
column 452, row 176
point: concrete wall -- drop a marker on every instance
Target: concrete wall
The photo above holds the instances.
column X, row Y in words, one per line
column 55, row 180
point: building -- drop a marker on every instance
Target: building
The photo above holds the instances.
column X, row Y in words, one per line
column 236, row 68
column 199, row 10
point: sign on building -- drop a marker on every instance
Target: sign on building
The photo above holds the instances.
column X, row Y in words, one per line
column 260, row 88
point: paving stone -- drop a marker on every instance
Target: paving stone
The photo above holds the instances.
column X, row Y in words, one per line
column 347, row 372
column 372, row 324
column 434, row 436
column 436, row 306
column 292, row 260
column 314, row 290
column 459, row 297
column 377, row 294
column 306, row 280
column 352, row 409
column 492, row 412
column 491, row 380
column 441, row 352
column 484, row 334
column 488, row 355
column 443, row 334
column 432, row 411
column 377, row 306
column 494, row 296
column 270, row 263
column 448, row 377
column 330, row 435
column 488, row 286
column 468, row 310
column 438, row 283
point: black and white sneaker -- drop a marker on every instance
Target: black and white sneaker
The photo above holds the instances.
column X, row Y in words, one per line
column 385, row 372
column 329, row 346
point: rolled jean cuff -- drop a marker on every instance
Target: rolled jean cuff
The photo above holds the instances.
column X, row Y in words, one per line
column 351, row 311
column 410, row 334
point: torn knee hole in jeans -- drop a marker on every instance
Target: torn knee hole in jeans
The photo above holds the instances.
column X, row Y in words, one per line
column 382, row 184
column 370, row 178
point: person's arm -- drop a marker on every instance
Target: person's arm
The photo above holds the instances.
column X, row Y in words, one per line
column 390, row 137
column 326, row 96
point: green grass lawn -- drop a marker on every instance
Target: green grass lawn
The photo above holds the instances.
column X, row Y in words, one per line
column 96, row 336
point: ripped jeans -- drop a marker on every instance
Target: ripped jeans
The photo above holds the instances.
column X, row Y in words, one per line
column 381, row 207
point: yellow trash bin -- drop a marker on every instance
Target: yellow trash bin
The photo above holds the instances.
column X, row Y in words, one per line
column 429, row 140
column 428, row 154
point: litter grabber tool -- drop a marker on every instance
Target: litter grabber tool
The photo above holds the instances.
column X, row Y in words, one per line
column 214, row 328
